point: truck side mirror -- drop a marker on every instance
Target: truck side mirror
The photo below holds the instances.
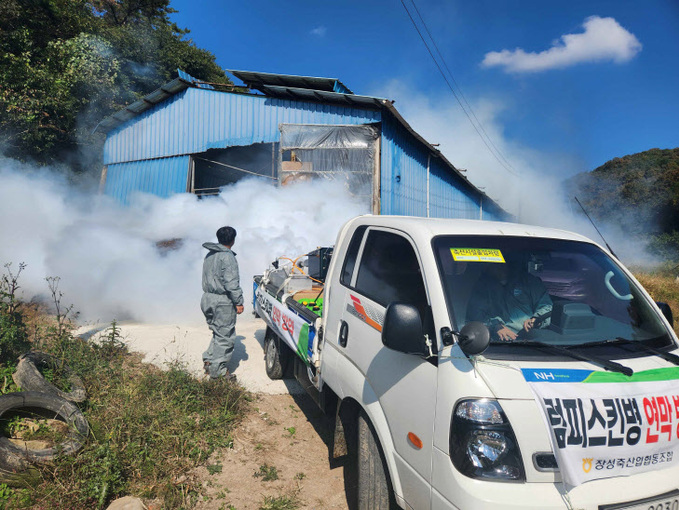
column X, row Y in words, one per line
column 402, row 330
column 666, row 311
column 474, row 338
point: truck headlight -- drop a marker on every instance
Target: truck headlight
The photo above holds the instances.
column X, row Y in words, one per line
column 482, row 442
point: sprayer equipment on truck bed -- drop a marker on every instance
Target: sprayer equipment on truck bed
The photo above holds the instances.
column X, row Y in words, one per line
column 477, row 365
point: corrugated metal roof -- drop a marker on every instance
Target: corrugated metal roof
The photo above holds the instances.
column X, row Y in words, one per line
column 146, row 103
column 179, row 84
column 256, row 80
column 302, row 94
column 200, row 84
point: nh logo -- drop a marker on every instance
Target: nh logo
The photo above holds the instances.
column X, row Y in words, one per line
column 544, row 376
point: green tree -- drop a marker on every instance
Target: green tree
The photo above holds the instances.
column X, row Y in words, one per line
column 67, row 64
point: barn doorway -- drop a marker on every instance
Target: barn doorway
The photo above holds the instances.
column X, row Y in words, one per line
column 216, row 168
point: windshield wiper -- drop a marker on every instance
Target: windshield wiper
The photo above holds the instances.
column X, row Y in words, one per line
column 609, row 365
column 667, row 356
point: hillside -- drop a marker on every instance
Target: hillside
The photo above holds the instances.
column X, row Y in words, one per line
column 639, row 194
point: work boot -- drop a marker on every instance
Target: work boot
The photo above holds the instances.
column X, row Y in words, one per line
column 226, row 375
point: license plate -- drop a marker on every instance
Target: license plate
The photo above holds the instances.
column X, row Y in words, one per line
column 669, row 501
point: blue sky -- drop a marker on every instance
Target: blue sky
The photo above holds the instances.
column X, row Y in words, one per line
column 550, row 104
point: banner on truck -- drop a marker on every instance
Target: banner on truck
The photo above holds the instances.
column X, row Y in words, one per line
column 288, row 325
column 604, row 424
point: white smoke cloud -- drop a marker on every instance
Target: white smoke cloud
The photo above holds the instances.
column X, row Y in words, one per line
column 534, row 192
column 603, row 39
column 107, row 257
column 527, row 189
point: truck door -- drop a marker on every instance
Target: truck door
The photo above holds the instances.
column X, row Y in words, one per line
column 388, row 269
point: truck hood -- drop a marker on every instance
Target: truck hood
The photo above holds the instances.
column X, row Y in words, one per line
column 506, row 381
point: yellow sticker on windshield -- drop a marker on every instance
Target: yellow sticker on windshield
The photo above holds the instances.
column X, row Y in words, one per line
column 477, row 255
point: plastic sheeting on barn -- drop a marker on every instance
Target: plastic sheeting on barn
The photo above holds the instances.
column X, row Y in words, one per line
column 346, row 153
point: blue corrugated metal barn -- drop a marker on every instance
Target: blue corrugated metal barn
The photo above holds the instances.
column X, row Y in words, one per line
column 189, row 136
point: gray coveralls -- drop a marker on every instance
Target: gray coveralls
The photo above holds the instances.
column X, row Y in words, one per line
column 497, row 305
column 221, row 295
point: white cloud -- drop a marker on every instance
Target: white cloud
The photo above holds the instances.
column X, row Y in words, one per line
column 319, row 31
column 604, row 39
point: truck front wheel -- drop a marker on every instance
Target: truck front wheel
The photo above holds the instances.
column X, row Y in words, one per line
column 274, row 360
column 374, row 489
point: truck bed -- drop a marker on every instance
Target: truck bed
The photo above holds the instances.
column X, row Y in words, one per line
column 292, row 317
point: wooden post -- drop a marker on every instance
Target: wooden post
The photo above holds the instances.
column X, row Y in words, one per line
column 102, row 181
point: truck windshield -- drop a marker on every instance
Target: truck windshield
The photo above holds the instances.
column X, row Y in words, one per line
column 564, row 293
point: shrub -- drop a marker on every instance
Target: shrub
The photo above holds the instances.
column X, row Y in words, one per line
column 13, row 331
column 666, row 246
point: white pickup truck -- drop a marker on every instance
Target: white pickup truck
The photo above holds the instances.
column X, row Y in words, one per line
column 481, row 365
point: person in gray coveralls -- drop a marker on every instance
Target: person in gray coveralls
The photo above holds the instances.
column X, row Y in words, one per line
column 509, row 301
column 222, row 300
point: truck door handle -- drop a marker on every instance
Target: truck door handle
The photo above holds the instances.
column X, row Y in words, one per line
column 343, row 333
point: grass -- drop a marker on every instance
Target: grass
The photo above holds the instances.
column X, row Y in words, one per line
column 33, row 428
column 663, row 286
column 280, row 503
column 149, row 429
column 267, row 473
column 7, row 384
column 214, row 468
column 58, row 376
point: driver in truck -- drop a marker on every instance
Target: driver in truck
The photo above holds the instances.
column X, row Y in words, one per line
column 509, row 300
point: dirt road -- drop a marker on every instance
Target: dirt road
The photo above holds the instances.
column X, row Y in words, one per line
column 279, row 461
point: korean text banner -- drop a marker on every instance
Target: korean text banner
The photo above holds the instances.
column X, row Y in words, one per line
column 604, row 424
column 288, row 325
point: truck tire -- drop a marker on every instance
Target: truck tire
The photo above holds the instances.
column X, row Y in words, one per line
column 14, row 458
column 28, row 377
column 275, row 361
column 374, row 487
